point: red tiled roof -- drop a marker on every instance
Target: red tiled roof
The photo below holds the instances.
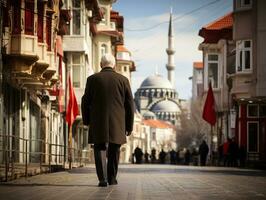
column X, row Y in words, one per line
column 221, row 28
column 198, row 65
column 122, row 48
column 221, row 23
column 158, row 124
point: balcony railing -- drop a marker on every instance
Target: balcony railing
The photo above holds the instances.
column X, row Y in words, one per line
column 19, row 155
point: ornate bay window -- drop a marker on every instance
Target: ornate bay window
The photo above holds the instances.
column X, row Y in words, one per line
column 243, row 55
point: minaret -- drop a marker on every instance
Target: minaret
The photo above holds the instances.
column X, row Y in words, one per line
column 170, row 52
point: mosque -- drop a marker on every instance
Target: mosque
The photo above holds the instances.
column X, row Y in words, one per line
column 157, row 98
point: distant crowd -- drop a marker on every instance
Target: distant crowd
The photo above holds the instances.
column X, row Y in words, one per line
column 228, row 154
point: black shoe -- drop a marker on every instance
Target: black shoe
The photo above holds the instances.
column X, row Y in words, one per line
column 102, row 184
column 113, row 182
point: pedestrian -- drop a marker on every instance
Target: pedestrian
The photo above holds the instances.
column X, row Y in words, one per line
column 173, row 157
column 220, row 155
column 162, row 156
column 242, row 156
column 203, row 152
column 146, row 157
column 153, row 156
column 187, row 157
column 138, row 155
column 194, row 156
column 108, row 109
column 233, row 153
column 225, row 151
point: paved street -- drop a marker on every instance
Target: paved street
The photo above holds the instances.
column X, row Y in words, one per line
column 143, row 182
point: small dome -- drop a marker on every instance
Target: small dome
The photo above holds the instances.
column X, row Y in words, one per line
column 156, row 81
column 149, row 115
column 165, row 106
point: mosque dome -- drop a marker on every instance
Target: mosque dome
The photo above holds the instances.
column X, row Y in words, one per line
column 156, row 81
column 149, row 115
column 165, row 106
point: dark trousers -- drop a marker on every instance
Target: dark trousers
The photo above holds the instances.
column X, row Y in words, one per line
column 106, row 171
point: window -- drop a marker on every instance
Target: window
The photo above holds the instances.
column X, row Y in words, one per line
column 40, row 7
column 262, row 110
column 77, row 64
column 253, row 111
column 29, row 17
column 246, row 3
column 104, row 12
column 153, row 136
column 103, row 49
column 16, row 16
column 244, row 55
column 49, row 31
column 125, row 68
column 76, row 17
column 112, row 25
column 253, row 137
column 213, row 69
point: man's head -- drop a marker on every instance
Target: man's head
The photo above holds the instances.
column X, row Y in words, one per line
column 108, row 60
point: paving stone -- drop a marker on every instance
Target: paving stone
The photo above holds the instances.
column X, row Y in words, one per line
column 141, row 182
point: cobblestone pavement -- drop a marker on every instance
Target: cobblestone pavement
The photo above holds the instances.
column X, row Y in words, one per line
column 142, row 182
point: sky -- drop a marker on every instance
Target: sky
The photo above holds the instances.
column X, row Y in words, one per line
column 146, row 30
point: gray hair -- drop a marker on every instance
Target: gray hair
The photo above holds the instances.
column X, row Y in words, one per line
column 108, row 60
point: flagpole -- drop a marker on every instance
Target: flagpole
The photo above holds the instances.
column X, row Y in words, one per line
column 211, row 145
column 70, row 146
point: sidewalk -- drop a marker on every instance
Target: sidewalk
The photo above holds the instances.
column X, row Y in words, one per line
column 143, row 182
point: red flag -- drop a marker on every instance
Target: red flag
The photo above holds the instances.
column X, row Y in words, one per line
column 72, row 108
column 209, row 114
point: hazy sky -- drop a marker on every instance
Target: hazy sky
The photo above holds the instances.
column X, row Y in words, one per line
column 148, row 47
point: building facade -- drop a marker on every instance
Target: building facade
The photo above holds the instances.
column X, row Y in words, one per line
column 248, row 81
column 216, row 48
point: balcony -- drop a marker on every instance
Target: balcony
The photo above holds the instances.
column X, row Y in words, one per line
column 243, row 85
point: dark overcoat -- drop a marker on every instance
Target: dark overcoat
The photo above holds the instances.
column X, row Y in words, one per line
column 107, row 107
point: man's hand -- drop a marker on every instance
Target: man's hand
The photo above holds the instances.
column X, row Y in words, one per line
column 128, row 133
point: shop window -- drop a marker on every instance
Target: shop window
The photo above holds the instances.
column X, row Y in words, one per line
column 212, row 60
column 244, row 55
column 29, row 17
column 253, row 111
column 253, row 137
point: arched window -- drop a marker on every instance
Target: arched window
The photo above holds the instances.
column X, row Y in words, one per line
column 103, row 49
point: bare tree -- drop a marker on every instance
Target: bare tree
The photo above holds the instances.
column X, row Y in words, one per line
column 193, row 128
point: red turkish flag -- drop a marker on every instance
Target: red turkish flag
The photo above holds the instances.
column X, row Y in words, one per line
column 209, row 114
column 72, row 108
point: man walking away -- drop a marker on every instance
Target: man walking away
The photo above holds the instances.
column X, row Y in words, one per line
column 108, row 109
column 203, row 151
